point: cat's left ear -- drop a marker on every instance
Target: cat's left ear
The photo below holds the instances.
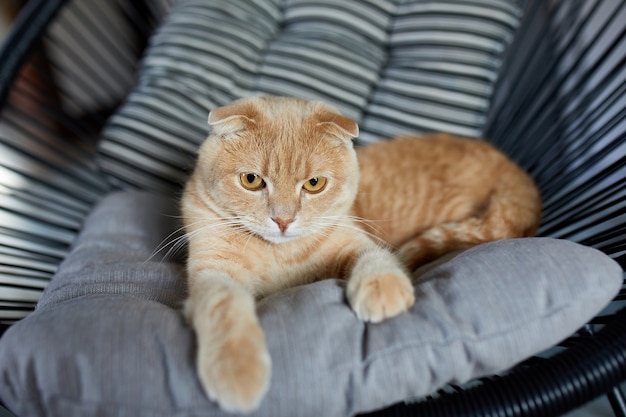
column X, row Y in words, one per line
column 233, row 117
column 337, row 124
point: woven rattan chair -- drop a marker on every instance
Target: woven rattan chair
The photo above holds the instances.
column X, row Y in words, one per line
column 558, row 108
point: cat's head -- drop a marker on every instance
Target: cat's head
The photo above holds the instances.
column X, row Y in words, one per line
column 280, row 167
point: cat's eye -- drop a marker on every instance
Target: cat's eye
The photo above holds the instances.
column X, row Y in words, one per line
column 314, row 185
column 251, row 181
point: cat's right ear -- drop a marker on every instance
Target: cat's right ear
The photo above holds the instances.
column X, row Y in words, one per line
column 336, row 124
column 232, row 118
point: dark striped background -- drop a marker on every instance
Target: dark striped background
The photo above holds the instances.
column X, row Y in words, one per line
column 49, row 123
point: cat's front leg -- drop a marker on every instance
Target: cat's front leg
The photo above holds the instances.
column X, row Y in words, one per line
column 378, row 286
column 232, row 358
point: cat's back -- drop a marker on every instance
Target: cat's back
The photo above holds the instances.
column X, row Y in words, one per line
column 439, row 150
column 411, row 183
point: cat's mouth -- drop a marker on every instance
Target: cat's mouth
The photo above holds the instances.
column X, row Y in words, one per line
column 279, row 238
column 276, row 236
column 277, row 233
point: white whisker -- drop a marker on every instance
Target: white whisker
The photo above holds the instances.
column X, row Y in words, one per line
column 341, row 223
column 174, row 245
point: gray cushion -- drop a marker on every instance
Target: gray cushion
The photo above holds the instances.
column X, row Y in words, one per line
column 108, row 338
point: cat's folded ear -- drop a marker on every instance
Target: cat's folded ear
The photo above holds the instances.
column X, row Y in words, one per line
column 336, row 124
column 232, row 118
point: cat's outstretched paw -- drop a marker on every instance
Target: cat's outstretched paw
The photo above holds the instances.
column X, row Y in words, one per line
column 377, row 298
column 236, row 374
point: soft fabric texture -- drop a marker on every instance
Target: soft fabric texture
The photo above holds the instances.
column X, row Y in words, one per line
column 394, row 66
column 108, row 337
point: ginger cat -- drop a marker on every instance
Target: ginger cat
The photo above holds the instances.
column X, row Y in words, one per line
column 276, row 200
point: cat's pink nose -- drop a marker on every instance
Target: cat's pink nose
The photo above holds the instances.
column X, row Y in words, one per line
column 283, row 222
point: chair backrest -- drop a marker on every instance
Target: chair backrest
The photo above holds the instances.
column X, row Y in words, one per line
column 559, row 109
column 396, row 67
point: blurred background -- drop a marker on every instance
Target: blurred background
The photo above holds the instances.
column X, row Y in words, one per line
column 8, row 11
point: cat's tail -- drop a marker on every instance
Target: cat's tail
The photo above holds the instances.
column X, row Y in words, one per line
column 512, row 210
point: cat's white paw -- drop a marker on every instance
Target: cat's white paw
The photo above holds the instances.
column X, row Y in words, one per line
column 236, row 374
column 377, row 298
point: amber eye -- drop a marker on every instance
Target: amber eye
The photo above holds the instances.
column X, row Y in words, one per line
column 315, row 185
column 251, row 181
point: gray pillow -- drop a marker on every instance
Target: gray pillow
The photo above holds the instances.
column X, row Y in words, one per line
column 108, row 338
